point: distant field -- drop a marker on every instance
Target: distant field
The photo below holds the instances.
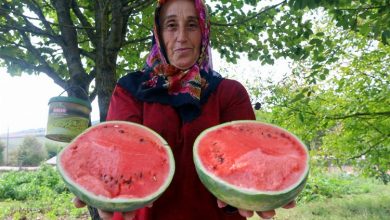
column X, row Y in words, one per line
column 13, row 143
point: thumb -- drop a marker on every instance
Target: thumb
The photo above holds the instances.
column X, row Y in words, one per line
column 128, row 215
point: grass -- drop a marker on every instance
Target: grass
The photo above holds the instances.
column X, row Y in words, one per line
column 42, row 194
column 57, row 208
column 373, row 205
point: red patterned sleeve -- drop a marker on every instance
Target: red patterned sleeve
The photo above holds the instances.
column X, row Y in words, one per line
column 123, row 106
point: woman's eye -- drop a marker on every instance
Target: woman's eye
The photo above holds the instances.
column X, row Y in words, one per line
column 170, row 25
column 193, row 25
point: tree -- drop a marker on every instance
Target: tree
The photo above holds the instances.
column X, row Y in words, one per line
column 345, row 113
column 86, row 45
column 31, row 152
column 371, row 18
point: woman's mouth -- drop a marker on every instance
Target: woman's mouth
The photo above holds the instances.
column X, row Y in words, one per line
column 182, row 49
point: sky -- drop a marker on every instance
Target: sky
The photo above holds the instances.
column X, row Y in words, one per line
column 24, row 99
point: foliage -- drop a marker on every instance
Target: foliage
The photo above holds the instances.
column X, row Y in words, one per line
column 370, row 18
column 47, row 207
column 339, row 106
column 30, row 152
column 24, row 185
column 371, row 205
column 40, row 192
column 53, row 147
column 77, row 42
column 322, row 184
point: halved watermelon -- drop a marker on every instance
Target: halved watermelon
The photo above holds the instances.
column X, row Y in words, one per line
column 117, row 166
column 251, row 165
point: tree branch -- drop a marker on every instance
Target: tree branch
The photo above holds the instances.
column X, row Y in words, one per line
column 93, row 94
column 241, row 22
column 359, row 114
column 87, row 26
column 45, row 67
column 369, row 149
column 137, row 6
column 38, row 11
column 30, row 28
column 362, row 8
column 70, row 48
column 115, row 38
column 40, row 69
column 90, row 55
column 139, row 40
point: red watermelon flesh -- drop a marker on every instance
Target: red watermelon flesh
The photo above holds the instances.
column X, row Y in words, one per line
column 117, row 161
column 253, row 156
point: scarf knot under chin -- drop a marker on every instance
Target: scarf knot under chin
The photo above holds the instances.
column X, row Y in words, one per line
column 176, row 81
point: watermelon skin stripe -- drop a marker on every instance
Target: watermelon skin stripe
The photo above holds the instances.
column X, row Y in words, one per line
column 105, row 204
column 117, row 204
column 244, row 198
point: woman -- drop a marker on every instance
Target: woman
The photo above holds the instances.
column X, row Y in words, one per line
column 178, row 95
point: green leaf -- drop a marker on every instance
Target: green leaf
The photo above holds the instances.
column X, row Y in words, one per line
column 385, row 37
column 316, row 66
column 365, row 29
column 300, row 117
column 315, row 41
column 298, row 97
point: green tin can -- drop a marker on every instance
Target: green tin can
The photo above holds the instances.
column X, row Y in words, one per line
column 68, row 117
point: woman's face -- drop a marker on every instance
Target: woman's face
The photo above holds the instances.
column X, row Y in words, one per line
column 180, row 33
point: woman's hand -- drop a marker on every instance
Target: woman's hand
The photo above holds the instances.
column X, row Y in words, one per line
column 106, row 215
column 264, row 214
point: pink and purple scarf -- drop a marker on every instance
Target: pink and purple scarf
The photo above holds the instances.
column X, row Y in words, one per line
column 186, row 90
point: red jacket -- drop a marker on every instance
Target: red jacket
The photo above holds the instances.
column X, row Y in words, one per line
column 186, row 198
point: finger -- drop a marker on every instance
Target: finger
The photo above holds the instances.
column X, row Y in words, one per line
column 266, row 214
column 149, row 205
column 78, row 203
column 221, row 204
column 128, row 215
column 245, row 213
column 105, row 215
column 290, row 205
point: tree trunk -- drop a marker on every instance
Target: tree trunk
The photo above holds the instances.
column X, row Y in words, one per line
column 93, row 212
column 110, row 28
column 105, row 83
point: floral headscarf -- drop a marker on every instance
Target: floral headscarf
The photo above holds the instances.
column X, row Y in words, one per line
column 162, row 82
column 157, row 53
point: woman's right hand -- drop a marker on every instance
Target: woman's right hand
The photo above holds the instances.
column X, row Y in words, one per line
column 103, row 214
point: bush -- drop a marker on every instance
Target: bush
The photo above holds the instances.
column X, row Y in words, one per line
column 31, row 152
column 37, row 194
column 24, row 185
column 321, row 185
column 53, row 147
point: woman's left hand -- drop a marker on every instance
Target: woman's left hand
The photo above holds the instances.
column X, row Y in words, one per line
column 106, row 215
column 263, row 214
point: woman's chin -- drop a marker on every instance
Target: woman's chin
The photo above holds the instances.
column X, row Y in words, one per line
column 183, row 65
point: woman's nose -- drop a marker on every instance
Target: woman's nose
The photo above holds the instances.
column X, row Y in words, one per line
column 182, row 34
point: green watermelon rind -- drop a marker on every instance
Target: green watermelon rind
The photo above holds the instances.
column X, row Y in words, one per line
column 116, row 204
column 242, row 198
